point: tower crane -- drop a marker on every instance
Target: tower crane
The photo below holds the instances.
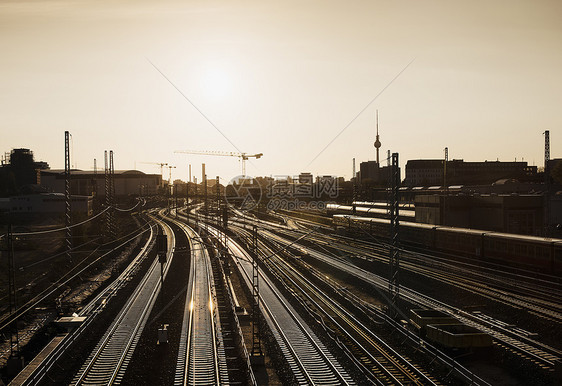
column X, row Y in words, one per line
column 242, row 156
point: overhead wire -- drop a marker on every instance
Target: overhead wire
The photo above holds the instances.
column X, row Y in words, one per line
column 74, row 225
column 26, row 307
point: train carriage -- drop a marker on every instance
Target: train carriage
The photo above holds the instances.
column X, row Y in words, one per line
column 536, row 253
column 529, row 251
column 418, row 235
column 459, row 241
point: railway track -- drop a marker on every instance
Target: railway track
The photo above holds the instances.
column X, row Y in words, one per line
column 107, row 363
column 517, row 290
column 538, row 297
column 379, row 362
column 100, row 299
column 309, row 360
column 513, row 290
column 537, row 352
column 90, row 311
column 201, row 357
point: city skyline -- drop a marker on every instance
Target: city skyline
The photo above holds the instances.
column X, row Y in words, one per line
column 282, row 80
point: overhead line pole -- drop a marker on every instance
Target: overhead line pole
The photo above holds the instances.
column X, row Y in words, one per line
column 394, row 260
column 547, row 183
column 113, row 228
column 257, row 353
column 107, row 215
column 67, row 198
column 12, row 293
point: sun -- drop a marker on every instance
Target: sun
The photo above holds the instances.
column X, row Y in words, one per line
column 215, row 83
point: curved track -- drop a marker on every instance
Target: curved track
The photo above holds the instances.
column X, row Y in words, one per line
column 378, row 361
column 308, row 358
column 90, row 311
column 534, row 350
column 107, row 363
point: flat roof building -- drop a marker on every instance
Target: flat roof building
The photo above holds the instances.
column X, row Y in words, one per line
column 429, row 172
column 46, row 204
column 127, row 182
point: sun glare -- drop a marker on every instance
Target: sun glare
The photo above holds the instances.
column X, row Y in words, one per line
column 215, row 83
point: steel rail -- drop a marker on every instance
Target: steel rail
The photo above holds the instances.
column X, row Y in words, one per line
column 310, row 361
column 90, row 310
column 108, row 360
column 536, row 350
column 544, row 303
column 199, row 350
column 400, row 363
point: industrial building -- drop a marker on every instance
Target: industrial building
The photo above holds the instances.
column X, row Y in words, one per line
column 372, row 174
column 45, row 204
column 127, row 182
column 428, row 172
column 521, row 214
column 17, row 170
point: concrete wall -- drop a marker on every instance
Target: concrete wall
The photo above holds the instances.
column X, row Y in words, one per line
column 49, row 203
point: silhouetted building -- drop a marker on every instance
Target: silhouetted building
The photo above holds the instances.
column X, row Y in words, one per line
column 372, row 174
column 555, row 170
column 431, row 172
column 87, row 183
column 522, row 214
column 45, row 204
column 18, row 170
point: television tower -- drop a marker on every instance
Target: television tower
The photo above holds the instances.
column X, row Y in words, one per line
column 377, row 141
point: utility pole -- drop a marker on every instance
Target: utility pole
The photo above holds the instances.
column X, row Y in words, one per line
column 188, row 181
column 547, row 183
column 113, row 228
column 445, row 168
column 354, row 198
column 446, row 206
column 257, row 354
column 109, row 195
column 176, row 201
column 107, row 199
column 218, row 192
column 394, row 260
column 162, row 251
column 15, row 361
column 204, row 176
column 14, row 334
column 95, row 184
column 195, row 196
column 67, row 198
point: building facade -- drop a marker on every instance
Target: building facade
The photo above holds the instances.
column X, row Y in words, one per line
column 127, row 182
column 46, row 204
column 432, row 172
column 521, row 214
column 18, row 170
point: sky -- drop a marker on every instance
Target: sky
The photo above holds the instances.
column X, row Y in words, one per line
column 147, row 78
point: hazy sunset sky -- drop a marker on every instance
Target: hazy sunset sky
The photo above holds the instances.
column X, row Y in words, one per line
column 281, row 78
